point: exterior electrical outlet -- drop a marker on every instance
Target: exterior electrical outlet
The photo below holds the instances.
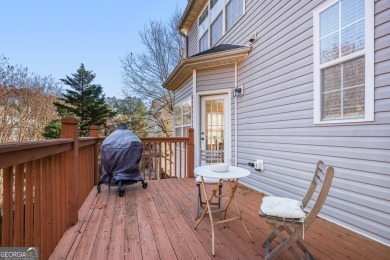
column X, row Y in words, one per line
column 259, row 165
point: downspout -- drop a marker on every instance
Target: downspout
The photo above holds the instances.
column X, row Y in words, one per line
column 235, row 117
column 186, row 41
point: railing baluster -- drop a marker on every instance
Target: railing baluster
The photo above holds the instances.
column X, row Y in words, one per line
column 165, row 158
column 7, row 222
column 63, row 193
column 49, row 189
column 19, row 208
column 143, row 160
column 37, row 202
column 58, row 197
column 154, row 160
column 185, row 161
column 53, row 175
column 175, row 160
column 28, row 220
column 44, row 195
column 170, row 161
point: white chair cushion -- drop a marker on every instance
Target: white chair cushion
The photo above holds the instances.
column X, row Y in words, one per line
column 282, row 207
column 206, row 180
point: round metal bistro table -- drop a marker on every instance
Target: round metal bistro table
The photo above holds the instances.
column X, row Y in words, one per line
column 232, row 176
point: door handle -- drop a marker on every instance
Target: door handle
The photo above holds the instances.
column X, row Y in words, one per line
column 202, row 138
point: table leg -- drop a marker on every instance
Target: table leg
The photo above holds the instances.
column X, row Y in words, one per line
column 232, row 196
column 242, row 221
column 208, row 209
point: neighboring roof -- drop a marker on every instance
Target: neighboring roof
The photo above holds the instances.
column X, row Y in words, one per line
column 220, row 55
column 190, row 14
column 219, row 48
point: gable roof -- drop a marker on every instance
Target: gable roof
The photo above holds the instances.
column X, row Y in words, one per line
column 220, row 55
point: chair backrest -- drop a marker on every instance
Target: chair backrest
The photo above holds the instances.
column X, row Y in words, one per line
column 322, row 180
column 211, row 156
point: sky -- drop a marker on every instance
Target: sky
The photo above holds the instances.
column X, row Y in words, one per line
column 53, row 37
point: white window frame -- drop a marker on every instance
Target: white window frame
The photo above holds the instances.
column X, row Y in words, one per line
column 182, row 126
column 212, row 16
column 367, row 52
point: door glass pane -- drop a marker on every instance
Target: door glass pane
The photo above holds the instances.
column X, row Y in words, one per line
column 214, row 124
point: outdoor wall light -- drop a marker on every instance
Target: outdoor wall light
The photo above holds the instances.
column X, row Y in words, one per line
column 238, row 91
column 253, row 38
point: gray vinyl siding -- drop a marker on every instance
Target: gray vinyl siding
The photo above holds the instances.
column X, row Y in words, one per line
column 215, row 78
column 193, row 40
column 184, row 93
column 275, row 117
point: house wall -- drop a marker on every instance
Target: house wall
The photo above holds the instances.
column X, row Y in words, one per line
column 185, row 92
column 276, row 124
column 193, row 40
column 215, row 78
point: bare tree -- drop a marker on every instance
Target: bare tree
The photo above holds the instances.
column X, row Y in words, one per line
column 26, row 103
column 144, row 73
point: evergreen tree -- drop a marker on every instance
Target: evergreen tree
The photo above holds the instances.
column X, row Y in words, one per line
column 131, row 111
column 84, row 100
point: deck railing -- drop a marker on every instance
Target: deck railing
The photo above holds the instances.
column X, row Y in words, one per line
column 168, row 157
column 44, row 183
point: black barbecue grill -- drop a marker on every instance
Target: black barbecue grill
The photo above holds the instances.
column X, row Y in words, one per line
column 120, row 154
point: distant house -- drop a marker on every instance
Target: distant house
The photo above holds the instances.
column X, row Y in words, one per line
column 291, row 83
column 160, row 120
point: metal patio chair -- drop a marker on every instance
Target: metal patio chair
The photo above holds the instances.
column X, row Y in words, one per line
column 287, row 218
column 209, row 157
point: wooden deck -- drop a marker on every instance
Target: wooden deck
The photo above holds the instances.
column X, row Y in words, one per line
column 157, row 223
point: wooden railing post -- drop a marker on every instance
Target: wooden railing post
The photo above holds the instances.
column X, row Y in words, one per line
column 94, row 132
column 190, row 154
column 69, row 130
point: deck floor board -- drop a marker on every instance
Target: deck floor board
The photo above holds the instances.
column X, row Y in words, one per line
column 157, row 223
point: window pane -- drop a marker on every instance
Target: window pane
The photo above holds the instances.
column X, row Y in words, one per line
column 354, row 102
column 178, row 132
column 186, row 119
column 354, row 73
column 178, row 115
column 331, row 78
column 331, row 105
column 203, row 16
column 187, row 107
column 203, row 23
column 212, row 3
column 234, row 10
column 185, row 130
column 352, row 38
column 216, row 30
column 203, row 42
column 329, row 47
column 214, row 106
column 329, row 20
column 220, row 106
column 351, row 11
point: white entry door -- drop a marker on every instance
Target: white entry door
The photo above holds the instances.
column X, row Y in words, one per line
column 214, row 134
